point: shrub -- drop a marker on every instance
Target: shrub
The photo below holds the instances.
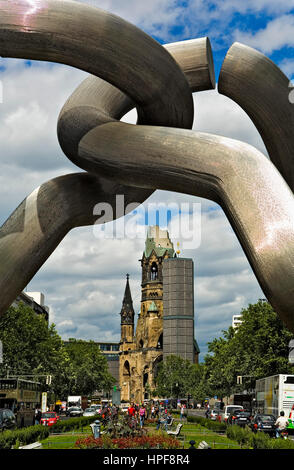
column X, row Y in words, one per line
column 25, row 436
column 72, row 423
column 207, row 423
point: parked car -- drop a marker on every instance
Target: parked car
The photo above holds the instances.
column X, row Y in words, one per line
column 75, row 411
column 124, row 407
column 90, row 412
column 96, row 408
column 264, row 423
column 49, row 418
column 7, row 419
column 228, row 409
column 239, row 417
column 213, row 415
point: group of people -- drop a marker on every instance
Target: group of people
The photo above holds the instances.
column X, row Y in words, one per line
column 164, row 419
column 108, row 412
column 137, row 413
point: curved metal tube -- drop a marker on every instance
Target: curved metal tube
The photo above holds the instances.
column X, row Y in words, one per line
column 39, row 224
column 42, row 220
column 95, row 100
column 257, row 201
column 254, row 82
column 104, row 45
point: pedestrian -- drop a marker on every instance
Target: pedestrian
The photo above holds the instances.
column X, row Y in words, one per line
column 38, row 416
column 131, row 410
column 159, row 422
column 182, row 412
column 167, row 420
column 142, row 415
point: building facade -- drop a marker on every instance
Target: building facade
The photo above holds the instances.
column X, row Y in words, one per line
column 35, row 300
column 141, row 350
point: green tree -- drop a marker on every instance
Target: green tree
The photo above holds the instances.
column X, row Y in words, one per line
column 258, row 348
column 32, row 347
column 174, row 377
column 90, row 367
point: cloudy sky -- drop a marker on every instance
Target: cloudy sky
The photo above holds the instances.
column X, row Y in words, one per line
column 83, row 280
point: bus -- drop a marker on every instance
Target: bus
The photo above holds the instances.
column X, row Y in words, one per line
column 275, row 394
column 22, row 397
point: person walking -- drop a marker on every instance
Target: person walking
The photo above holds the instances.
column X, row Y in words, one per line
column 38, row 416
column 167, row 420
column 182, row 412
column 142, row 415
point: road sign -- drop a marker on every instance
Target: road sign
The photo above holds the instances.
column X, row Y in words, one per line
column 44, row 402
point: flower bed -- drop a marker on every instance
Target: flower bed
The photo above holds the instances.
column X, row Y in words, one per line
column 142, row 442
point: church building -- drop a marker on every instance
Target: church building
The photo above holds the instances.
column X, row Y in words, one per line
column 165, row 324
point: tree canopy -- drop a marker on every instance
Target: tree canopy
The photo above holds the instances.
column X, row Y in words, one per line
column 31, row 347
column 257, row 348
column 90, row 367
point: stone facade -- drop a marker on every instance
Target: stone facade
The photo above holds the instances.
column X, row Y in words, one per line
column 142, row 351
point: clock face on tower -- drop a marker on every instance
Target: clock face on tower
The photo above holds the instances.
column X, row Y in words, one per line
column 127, row 317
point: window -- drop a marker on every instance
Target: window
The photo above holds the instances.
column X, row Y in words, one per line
column 160, row 342
column 154, row 271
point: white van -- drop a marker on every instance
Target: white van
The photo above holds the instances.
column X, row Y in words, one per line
column 228, row 409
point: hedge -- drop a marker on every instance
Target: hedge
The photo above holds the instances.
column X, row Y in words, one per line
column 244, row 436
column 73, row 423
column 258, row 440
column 209, row 424
column 24, row 436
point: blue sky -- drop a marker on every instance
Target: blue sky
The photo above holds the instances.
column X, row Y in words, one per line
column 33, row 94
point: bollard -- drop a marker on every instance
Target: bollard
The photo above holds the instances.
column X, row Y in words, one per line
column 96, row 429
column 192, row 444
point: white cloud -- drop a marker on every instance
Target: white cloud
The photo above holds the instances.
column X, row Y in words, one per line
column 278, row 33
column 84, row 279
column 287, row 66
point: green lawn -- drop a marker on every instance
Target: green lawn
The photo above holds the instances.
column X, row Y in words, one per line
column 190, row 431
column 65, row 440
column 198, row 433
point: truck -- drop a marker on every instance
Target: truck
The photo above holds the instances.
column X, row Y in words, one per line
column 275, row 394
column 77, row 400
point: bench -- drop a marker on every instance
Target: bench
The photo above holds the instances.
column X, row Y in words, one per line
column 176, row 432
column 203, row 445
column 169, row 425
column 35, row 445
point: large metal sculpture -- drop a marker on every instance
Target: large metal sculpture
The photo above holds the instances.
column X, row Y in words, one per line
column 129, row 69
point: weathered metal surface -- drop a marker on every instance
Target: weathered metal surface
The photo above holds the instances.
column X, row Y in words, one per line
column 254, row 82
column 157, row 155
column 102, row 44
column 42, row 220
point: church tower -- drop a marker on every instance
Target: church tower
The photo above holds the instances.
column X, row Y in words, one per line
column 167, row 303
column 127, row 316
column 158, row 247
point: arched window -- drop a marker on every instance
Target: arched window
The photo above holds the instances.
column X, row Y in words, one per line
column 126, row 369
column 154, row 271
column 141, row 343
column 160, row 342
